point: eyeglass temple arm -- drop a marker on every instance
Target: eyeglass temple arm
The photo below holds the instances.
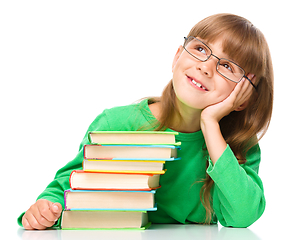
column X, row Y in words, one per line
column 250, row 82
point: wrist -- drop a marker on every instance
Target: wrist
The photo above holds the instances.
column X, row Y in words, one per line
column 208, row 123
column 213, row 137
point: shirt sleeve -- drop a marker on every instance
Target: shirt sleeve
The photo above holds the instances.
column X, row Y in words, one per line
column 238, row 197
column 54, row 192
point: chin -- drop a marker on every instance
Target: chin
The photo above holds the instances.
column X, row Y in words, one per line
column 191, row 103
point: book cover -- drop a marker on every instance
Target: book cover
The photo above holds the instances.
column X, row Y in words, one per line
column 130, row 166
column 76, row 220
column 131, row 152
column 109, row 200
column 133, row 137
column 81, row 180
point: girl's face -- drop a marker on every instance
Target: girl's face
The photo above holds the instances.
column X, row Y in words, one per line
column 197, row 84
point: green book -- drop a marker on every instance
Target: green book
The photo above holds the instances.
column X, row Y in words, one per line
column 85, row 220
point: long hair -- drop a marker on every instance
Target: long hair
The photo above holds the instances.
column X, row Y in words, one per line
column 246, row 45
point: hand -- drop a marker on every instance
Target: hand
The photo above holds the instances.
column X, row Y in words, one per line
column 41, row 215
column 236, row 101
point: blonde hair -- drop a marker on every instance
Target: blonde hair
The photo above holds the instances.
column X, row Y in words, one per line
column 246, row 45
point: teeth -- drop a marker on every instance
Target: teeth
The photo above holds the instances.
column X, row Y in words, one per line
column 197, row 84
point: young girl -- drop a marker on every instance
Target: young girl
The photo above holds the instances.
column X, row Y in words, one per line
column 220, row 101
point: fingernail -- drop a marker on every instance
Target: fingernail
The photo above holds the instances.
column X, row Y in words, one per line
column 55, row 208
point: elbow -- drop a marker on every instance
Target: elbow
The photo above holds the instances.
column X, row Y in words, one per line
column 242, row 217
column 237, row 223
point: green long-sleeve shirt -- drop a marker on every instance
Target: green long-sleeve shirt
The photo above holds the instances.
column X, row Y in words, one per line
column 238, row 198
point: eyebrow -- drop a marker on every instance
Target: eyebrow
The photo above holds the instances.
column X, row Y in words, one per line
column 209, row 45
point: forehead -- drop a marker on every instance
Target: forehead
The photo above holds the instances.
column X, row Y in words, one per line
column 238, row 38
column 217, row 47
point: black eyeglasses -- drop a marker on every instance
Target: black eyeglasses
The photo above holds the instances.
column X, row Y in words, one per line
column 225, row 67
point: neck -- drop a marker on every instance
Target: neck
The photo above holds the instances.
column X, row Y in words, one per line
column 187, row 122
column 189, row 119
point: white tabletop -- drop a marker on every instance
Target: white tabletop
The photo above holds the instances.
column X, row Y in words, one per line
column 263, row 229
column 156, row 231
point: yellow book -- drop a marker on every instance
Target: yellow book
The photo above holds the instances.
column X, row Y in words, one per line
column 130, row 166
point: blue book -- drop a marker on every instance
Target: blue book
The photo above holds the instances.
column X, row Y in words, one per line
column 131, row 152
column 105, row 200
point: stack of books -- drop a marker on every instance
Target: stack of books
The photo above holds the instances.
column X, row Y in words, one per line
column 121, row 172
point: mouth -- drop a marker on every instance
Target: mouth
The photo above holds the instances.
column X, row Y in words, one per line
column 197, row 84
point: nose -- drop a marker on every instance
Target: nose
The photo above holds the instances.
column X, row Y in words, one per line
column 208, row 67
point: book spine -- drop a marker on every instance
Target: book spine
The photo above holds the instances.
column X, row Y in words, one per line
column 135, row 159
column 65, row 199
column 68, row 191
column 82, row 171
column 172, row 146
column 114, row 209
column 125, row 171
column 115, row 189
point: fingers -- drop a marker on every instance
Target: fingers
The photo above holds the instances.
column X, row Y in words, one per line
column 56, row 209
column 248, row 88
column 236, row 93
column 41, row 215
column 47, row 217
column 30, row 222
column 243, row 92
column 26, row 224
column 33, row 220
column 252, row 77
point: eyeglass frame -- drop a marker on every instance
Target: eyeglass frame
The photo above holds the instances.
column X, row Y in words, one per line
column 218, row 63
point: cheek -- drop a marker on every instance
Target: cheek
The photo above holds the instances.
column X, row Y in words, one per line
column 189, row 97
column 184, row 94
column 224, row 88
column 178, row 87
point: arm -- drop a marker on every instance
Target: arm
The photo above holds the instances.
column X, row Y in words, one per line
column 211, row 116
column 40, row 214
column 238, row 198
column 215, row 142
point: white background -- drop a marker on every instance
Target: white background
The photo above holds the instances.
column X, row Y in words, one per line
column 63, row 62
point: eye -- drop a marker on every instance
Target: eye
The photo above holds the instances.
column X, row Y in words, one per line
column 227, row 66
column 201, row 49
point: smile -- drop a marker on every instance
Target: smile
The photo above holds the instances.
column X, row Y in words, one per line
column 197, row 84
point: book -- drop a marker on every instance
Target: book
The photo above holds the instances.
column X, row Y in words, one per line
column 81, row 180
column 131, row 152
column 132, row 166
column 109, row 200
column 132, row 137
column 115, row 189
column 104, row 220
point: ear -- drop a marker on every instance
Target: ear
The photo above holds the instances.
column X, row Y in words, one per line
column 242, row 106
column 176, row 58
